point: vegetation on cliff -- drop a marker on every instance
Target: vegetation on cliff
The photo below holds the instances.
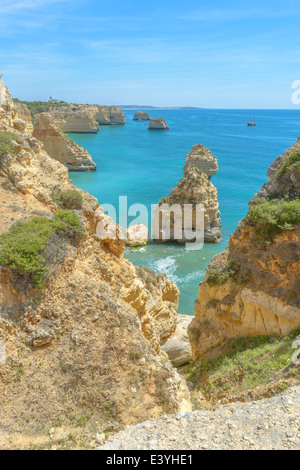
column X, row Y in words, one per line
column 30, row 247
column 252, row 288
column 219, row 275
column 70, row 199
column 274, row 216
column 6, row 143
column 36, row 107
column 262, row 363
column 292, row 163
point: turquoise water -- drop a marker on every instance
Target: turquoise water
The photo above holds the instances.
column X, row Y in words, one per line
column 144, row 165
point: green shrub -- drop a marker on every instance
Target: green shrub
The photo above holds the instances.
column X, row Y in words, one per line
column 68, row 224
column 6, row 143
column 272, row 217
column 218, row 276
column 293, row 162
column 30, row 247
column 70, row 199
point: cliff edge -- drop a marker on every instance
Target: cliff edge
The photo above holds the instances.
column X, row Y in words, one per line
column 81, row 326
column 253, row 287
column 59, row 146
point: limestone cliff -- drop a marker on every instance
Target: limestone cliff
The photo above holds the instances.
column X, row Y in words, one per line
column 83, row 350
column 253, row 287
column 77, row 119
column 108, row 115
column 13, row 115
column 194, row 188
column 86, row 118
column 24, row 116
column 59, row 146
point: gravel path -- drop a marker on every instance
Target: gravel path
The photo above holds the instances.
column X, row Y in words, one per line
column 266, row 424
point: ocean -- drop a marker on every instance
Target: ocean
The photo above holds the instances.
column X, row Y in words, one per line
column 144, row 165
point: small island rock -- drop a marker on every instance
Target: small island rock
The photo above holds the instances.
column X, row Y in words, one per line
column 141, row 116
column 158, row 123
column 137, row 235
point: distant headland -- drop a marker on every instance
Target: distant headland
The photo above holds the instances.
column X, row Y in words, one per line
column 135, row 106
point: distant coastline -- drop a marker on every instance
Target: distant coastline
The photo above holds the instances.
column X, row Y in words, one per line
column 135, row 107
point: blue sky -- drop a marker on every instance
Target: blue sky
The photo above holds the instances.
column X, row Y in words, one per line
column 221, row 54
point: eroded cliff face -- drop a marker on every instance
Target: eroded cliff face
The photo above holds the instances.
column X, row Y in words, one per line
column 253, row 287
column 13, row 115
column 193, row 189
column 108, row 115
column 23, row 114
column 82, row 352
column 86, row 118
column 59, row 146
column 77, row 119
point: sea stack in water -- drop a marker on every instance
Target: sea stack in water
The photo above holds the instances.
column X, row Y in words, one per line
column 158, row 124
column 59, row 146
column 137, row 235
column 141, row 116
column 203, row 159
column 193, row 189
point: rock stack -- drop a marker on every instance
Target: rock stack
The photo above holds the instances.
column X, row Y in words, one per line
column 141, row 116
column 158, row 124
column 193, row 189
column 203, row 159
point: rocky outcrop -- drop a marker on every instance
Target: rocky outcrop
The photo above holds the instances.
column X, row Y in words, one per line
column 59, row 146
column 137, row 235
column 253, row 287
column 158, row 124
column 193, row 189
column 269, row 424
column 141, row 116
column 203, row 159
column 108, row 115
column 86, row 118
column 76, row 120
column 84, row 348
column 23, row 114
column 178, row 347
column 289, row 180
column 13, row 115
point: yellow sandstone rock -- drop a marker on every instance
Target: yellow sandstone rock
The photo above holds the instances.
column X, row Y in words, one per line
column 83, row 352
column 59, row 146
column 253, row 287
